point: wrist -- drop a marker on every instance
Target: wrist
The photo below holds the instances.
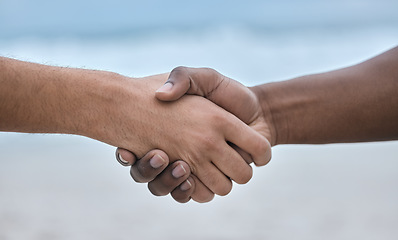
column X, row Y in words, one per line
column 273, row 116
column 97, row 99
column 125, row 112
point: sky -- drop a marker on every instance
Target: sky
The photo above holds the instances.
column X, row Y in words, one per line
column 103, row 18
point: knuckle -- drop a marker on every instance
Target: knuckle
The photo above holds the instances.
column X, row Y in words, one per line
column 156, row 190
column 219, row 117
column 145, row 171
column 268, row 157
column 178, row 72
column 203, row 198
column 262, row 151
column 181, row 196
column 136, row 175
column 223, row 191
column 212, row 73
column 245, row 176
column 201, row 193
column 208, row 143
column 219, row 120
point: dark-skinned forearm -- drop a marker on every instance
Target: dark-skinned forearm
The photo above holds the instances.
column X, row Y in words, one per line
column 354, row 104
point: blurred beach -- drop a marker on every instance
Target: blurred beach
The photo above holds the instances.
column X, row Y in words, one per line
column 71, row 187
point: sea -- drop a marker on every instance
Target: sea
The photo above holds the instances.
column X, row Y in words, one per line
column 71, row 187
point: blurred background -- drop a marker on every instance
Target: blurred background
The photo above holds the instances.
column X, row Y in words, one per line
column 70, row 187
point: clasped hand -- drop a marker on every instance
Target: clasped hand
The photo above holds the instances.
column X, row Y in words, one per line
column 199, row 147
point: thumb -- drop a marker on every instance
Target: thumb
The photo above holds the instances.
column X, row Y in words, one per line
column 206, row 82
column 177, row 85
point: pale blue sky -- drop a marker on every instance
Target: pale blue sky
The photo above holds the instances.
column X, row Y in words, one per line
column 88, row 17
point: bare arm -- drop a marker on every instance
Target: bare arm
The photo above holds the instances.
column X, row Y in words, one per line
column 44, row 99
column 354, row 104
column 124, row 112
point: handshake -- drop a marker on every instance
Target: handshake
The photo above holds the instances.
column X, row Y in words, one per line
column 200, row 130
column 211, row 126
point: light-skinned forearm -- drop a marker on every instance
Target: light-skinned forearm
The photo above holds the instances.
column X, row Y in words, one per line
column 354, row 104
column 37, row 98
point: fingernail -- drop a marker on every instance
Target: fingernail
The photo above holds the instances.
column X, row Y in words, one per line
column 186, row 185
column 121, row 160
column 166, row 87
column 178, row 171
column 157, row 161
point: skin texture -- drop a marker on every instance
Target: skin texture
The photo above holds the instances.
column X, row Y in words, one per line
column 124, row 112
column 227, row 93
column 353, row 104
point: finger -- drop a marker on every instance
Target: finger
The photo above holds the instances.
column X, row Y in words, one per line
column 206, row 82
column 183, row 192
column 201, row 193
column 176, row 86
column 233, row 165
column 175, row 174
column 248, row 140
column 184, row 80
column 214, row 179
column 242, row 153
column 151, row 165
column 125, row 157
